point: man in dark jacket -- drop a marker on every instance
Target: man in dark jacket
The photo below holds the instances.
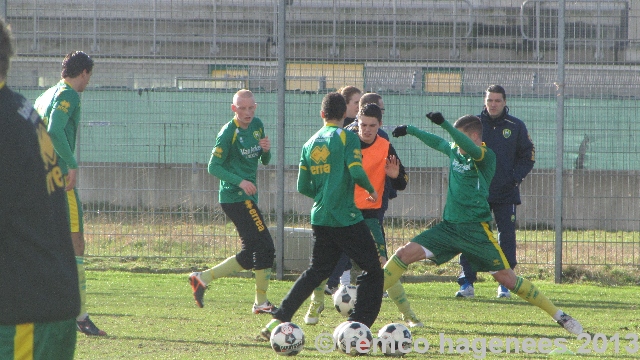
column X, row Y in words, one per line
column 507, row 136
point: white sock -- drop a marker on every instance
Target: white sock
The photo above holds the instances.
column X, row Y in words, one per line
column 82, row 317
column 558, row 314
column 345, row 279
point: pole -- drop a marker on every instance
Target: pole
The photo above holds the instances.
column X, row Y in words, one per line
column 559, row 145
column 281, row 83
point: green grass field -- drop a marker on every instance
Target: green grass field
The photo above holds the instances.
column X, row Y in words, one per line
column 153, row 316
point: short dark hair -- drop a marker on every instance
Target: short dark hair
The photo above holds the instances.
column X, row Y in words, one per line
column 334, row 106
column 348, row 92
column 369, row 98
column 372, row 110
column 497, row 89
column 469, row 124
column 6, row 49
column 75, row 63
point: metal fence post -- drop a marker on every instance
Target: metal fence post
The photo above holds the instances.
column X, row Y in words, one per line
column 559, row 145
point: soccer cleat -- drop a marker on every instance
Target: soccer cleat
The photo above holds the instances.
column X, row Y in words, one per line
column 503, row 292
column 266, row 331
column 570, row 324
column 466, row 291
column 264, row 308
column 198, row 287
column 330, row 290
column 412, row 319
column 313, row 314
column 385, row 295
column 87, row 327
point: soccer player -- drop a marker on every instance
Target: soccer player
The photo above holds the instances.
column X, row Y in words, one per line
column 464, row 227
column 507, row 136
column 60, row 110
column 240, row 145
column 39, row 297
column 330, row 164
column 380, row 161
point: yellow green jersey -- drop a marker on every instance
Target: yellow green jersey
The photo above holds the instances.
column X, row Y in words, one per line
column 59, row 108
column 330, row 166
column 235, row 158
column 469, row 174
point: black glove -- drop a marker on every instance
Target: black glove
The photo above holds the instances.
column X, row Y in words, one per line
column 435, row 118
column 399, row 131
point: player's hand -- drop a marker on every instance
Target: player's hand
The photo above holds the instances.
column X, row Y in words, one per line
column 373, row 196
column 70, row 179
column 399, row 131
column 392, row 167
column 248, row 187
column 265, row 144
column 436, row 118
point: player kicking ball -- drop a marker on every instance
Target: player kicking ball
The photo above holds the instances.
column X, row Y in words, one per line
column 465, row 225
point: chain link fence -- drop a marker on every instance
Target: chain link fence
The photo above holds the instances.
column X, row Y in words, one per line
column 166, row 71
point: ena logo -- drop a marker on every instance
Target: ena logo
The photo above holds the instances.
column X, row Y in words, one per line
column 319, row 155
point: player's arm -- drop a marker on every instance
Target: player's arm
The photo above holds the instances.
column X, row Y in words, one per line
column 399, row 182
column 265, row 144
column 58, row 119
column 219, row 155
column 525, row 156
column 305, row 187
column 431, row 140
column 465, row 143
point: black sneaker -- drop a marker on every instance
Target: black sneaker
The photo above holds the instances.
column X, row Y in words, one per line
column 87, row 327
column 198, row 287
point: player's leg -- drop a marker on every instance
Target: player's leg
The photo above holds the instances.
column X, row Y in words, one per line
column 529, row 292
column 83, row 322
column 324, row 256
column 336, row 276
column 356, row 241
column 505, row 217
column 467, row 277
column 230, row 266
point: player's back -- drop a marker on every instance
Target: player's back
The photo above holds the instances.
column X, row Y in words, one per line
column 327, row 157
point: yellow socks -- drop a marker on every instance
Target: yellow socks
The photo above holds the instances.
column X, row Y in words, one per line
column 399, row 297
column 526, row 290
column 318, row 294
column 262, row 285
column 228, row 267
column 82, row 286
column 393, row 270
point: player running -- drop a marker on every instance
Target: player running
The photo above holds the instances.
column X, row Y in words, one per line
column 240, row 145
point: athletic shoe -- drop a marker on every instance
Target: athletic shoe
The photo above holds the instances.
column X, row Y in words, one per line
column 264, row 308
column 466, row 291
column 570, row 324
column 412, row 319
column 313, row 314
column 266, row 331
column 330, row 290
column 503, row 292
column 198, row 287
column 87, row 327
column 385, row 295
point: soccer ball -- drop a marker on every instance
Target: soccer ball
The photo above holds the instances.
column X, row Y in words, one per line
column 355, row 338
column 394, row 337
column 287, row 339
column 338, row 329
column 344, row 299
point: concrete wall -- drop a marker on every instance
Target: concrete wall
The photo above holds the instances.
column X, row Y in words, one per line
column 605, row 200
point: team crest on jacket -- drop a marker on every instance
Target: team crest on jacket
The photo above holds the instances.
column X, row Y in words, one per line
column 506, row 133
column 256, row 135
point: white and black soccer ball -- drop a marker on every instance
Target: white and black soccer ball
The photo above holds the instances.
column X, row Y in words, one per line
column 394, row 339
column 355, row 338
column 344, row 299
column 287, row 339
column 338, row 329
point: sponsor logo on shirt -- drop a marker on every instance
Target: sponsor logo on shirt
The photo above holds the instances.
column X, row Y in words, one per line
column 319, row 155
column 54, row 173
column 459, row 167
column 64, row 106
column 251, row 152
column 217, row 152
